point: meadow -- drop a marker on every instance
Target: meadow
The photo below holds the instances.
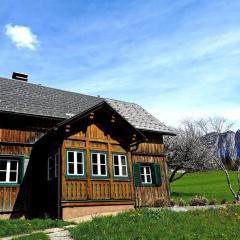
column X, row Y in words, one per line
column 212, row 185
column 222, row 223
column 148, row 224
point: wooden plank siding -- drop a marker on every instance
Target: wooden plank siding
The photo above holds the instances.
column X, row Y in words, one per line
column 8, row 196
column 152, row 152
column 88, row 189
column 17, row 136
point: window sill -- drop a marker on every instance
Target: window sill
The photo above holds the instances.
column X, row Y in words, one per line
column 100, row 177
column 10, row 184
column 147, row 185
column 75, row 176
column 121, row 178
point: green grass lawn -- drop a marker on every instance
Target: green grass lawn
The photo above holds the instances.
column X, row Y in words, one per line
column 208, row 184
column 14, row 227
column 163, row 224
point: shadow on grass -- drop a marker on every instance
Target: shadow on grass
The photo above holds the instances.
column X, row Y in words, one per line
column 183, row 194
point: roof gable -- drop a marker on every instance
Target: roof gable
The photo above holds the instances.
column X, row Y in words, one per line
column 103, row 113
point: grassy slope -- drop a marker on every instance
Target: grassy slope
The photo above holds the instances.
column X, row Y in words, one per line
column 209, row 184
column 13, row 227
column 163, row 224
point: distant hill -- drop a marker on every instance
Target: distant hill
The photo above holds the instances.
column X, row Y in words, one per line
column 226, row 145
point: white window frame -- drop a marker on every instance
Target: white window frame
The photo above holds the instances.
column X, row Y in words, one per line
column 145, row 174
column 99, row 164
column 8, row 170
column 120, row 165
column 75, row 163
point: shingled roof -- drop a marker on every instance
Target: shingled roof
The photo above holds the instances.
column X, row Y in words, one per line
column 138, row 116
column 27, row 98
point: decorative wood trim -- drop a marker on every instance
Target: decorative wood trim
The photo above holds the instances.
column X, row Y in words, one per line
column 109, row 147
column 96, row 203
column 88, row 173
column 95, row 140
column 17, row 143
column 149, row 154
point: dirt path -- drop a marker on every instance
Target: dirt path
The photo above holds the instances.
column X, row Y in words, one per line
column 53, row 234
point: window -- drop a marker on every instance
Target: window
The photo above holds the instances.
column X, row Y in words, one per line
column 9, row 169
column 51, row 168
column 147, row 174
column 120, row 165
column 56, row 165
column 99, row 164
column 75, row 163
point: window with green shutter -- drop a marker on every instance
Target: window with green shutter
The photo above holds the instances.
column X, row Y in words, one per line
column 136, row 174
column 157, row 175
column 147, row 174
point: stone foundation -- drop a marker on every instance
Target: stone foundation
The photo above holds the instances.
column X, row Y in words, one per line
column 77, row 212
column 5, row 216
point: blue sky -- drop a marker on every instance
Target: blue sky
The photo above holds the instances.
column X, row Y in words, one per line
column 177, row 59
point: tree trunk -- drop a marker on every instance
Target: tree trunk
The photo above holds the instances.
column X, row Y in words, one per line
column 171, row 179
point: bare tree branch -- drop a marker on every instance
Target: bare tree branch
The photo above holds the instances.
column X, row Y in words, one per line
column 178, row 177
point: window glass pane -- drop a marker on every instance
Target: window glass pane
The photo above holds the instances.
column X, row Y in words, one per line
column 80, row 169
column 115, row 160
column 102, row 158
column 71, row 168
column 13, row 176
column 2, row 176
column 13, row 165
column 116, row 170
column 142, row 178
column 95, row 169
column 103, row 170
column 3, row 165
column 70, row 157
column 94, row 158
column 142, row 170
column 123, row 160
column 52, row 170
column 148, row 170
column 51, row 163
column 79, row 157
column 124, row 171
column 149, row 179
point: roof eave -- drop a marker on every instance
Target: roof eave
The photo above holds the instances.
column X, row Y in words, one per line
column 163, row 132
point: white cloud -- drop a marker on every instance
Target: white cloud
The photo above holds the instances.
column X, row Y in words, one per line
column 22, row 36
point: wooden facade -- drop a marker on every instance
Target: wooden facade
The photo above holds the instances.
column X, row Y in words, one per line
column 18, row 134
column 99, row 130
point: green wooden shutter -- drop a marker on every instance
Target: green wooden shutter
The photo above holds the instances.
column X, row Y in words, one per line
column 157, row 175
column 136, row 174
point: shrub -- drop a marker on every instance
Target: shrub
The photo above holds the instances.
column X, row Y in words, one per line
column 224, row 201
column 161, row 202
column 198, row 201
column 171, row 203
column 213, row 202
column 181, row 203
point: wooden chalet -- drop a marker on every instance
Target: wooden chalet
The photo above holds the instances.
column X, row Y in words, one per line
column 66, row 155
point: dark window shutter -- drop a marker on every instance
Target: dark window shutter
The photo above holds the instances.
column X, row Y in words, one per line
column 136, row 174
column 157, row 175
